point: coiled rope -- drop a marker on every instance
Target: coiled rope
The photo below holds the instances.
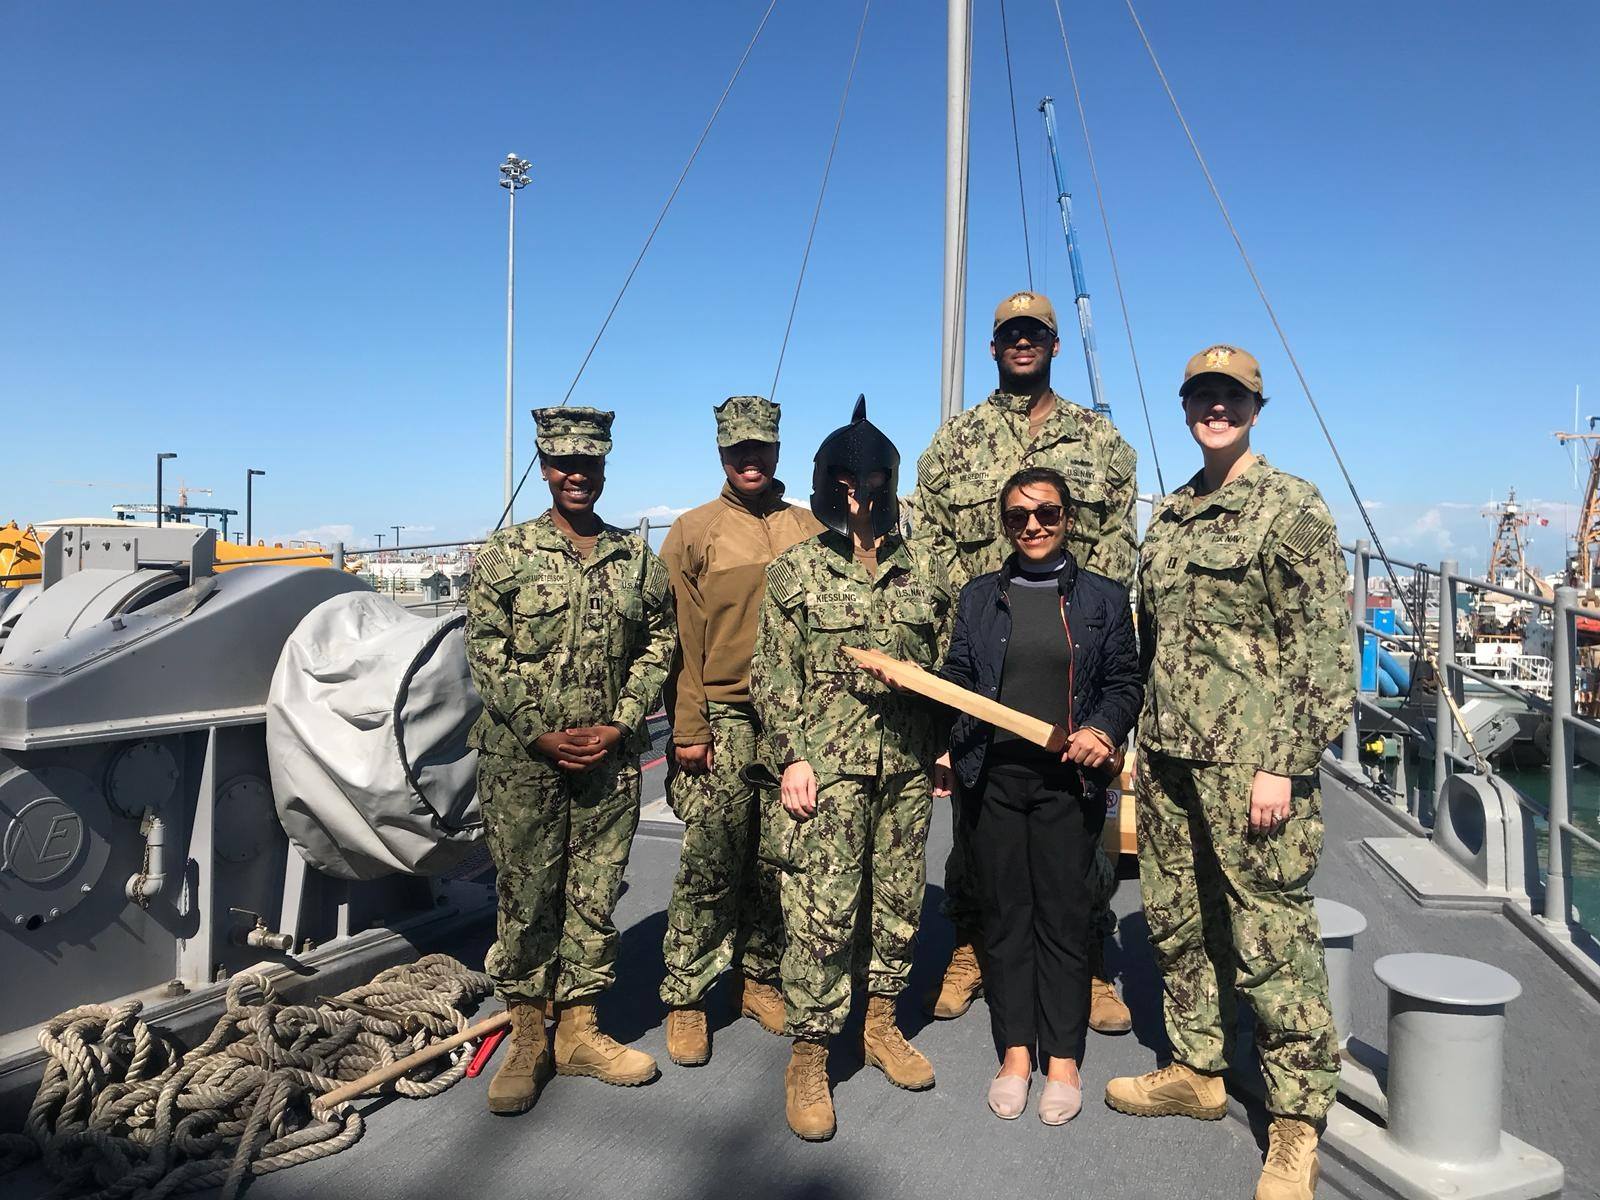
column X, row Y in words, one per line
column 124, row 1114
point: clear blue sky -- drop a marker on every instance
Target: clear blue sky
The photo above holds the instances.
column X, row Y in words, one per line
column 270, row 235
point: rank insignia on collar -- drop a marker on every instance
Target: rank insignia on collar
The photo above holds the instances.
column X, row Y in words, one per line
column 493, row 565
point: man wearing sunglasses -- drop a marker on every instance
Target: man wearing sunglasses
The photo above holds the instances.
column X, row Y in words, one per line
column 1024, row 424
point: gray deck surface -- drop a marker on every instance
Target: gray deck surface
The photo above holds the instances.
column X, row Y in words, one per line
column 719, row 1130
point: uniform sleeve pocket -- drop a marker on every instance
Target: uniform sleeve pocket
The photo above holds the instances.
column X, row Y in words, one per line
column 631, row 605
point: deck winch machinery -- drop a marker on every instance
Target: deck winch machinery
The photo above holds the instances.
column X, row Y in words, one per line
column 199, row 771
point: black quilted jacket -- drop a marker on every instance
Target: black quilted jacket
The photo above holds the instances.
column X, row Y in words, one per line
column 1107, row 688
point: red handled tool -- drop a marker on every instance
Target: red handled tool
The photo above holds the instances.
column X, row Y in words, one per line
column 485, row 1051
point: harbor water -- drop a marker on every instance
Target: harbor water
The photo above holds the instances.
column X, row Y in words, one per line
column 1584, row 799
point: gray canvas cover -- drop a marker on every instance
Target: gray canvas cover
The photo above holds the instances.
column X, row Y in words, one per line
column 367, row 726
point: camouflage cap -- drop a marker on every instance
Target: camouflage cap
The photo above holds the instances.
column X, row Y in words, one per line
column 1238, row 365
column 746, row 419
column 573, row 431
column 1026, row 304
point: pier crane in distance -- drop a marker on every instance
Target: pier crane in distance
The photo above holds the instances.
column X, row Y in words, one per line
column 1580, row 571
column 1091, row 355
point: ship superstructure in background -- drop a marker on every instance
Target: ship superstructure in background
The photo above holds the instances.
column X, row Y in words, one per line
column 1505, row 637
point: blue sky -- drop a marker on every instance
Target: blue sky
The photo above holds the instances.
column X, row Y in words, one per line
column 270, row 236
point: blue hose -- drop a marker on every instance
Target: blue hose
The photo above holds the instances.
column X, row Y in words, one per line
column 1390, row 671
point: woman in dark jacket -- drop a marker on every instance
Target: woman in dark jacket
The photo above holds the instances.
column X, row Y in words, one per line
column 1056, row 642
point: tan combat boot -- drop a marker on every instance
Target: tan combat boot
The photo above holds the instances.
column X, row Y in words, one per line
column 515, row 1086
column 688, row 1037
column 886, row 1048
column 1107, row 1012
column 1173, row 1091
column 806, row 1101
column 582, row 1049
column 962, row 982
column 1291, row 1169
column 761, row 1002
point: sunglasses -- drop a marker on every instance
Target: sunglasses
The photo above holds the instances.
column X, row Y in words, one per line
column 1011, row 334
column 1015, row 520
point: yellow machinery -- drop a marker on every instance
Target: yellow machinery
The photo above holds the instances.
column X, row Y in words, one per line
column 20, row 556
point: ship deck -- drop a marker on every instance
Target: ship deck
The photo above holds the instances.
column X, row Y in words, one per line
column 719, row 1130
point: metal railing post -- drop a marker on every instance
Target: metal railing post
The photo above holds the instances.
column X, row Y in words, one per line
column 1351, row 750
column 338, row 556
column 1563, row 665
column 1444, row 727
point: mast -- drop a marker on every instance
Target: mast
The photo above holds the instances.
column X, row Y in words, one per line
column 1508, row 563
column 1091, row 356
column 1588, row 531
column 958, row 105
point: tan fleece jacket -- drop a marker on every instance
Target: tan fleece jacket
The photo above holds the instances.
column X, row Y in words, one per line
column 717, row 556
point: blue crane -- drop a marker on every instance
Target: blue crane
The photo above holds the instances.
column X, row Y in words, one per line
column 1091, row 356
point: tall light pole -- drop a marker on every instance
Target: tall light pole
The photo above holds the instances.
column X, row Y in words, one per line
column 397, row 529
column 160, row 458
column 249, row 504
column 513, row 177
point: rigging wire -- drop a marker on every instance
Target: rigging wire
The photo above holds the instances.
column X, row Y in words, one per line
column 1016, row 142
column 1305, row 386
column 822, row 191
column 1111, row 250
column 654, row 229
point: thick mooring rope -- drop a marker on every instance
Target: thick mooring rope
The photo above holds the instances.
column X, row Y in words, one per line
column 124, row 1114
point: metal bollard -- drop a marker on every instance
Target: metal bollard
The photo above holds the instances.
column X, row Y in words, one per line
column 1340, row 924
column 1446, row 1054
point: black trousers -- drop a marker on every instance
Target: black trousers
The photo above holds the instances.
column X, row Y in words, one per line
column 1033, row 838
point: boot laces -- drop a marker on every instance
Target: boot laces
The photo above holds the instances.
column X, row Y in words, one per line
column 1286, row 1142
column 604, row 1042
column 692, row 1020
column 964, row 964
column 894, row 1041
column 523, row 1055
column 813, row 1079
column 1171, row 1073
column 524, row 1052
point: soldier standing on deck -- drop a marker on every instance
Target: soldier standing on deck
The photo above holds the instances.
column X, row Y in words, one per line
column 569, row 633
column 725, row 907
column 1025, row 424
column 855, row 759
column 1245, row 641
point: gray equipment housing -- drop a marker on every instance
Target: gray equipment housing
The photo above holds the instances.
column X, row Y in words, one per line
column 139, row 846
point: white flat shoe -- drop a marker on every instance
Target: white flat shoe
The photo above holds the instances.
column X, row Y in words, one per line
column 1059, row 1102
column 1008, row 1096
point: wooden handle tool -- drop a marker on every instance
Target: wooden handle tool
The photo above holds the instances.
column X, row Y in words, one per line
column 381, row 1076
column 914, row 679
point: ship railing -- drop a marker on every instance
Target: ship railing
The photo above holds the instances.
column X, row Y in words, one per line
column 1554, row 818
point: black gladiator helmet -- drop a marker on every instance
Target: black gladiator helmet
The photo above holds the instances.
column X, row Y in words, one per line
column 871, row 459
